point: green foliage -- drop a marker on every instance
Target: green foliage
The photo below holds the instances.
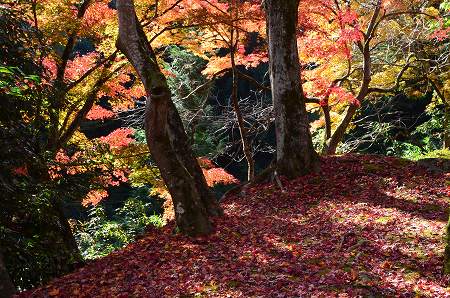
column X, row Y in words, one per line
column 317, row 138
column 431, row 132
column 205, row 142
column 35, row 237
column 410, row 137
column 101, row 235
column 445, row 6
column 443, row 153
column 191, row 92
column 139, row 136
column 185, row 77
column 14, row 82
column 404, row 150
column 32, row 236
column 430, row 135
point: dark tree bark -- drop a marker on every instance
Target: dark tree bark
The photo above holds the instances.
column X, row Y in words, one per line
column 438, row 88
column 7, row 288
column 326, row 113
column 80, row 116
column 67, row 236
column 295, row 152
column 166, row 137
column 447, row 126
column 246, row 144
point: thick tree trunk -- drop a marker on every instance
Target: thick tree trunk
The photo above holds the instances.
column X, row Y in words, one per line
column 295, row 152
column 7, row 288
column 166, row 138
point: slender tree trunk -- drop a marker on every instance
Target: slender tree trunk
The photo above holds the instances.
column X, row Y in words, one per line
column 67, row 236
column 80, row 116
column 438, row 88
column 63, row 228
column 246, row 145
column 327, row 136
column 59, row 86
column 166, row 137
column 295, row 152
column 365, row 47
column 338, row 134
column 7, row 288
column 447, row 126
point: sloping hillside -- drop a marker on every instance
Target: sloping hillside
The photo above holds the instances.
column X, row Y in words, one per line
column 366, row 225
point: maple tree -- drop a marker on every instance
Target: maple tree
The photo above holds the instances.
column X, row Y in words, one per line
column 224, row 25
column 72, row 114
column 50, row 86
column 356, row 51
column 165, row 133
column 232, row 41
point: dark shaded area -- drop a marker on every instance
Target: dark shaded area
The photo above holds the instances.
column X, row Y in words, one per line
column 401, row 114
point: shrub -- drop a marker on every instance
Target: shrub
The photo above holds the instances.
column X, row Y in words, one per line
column 99, row 235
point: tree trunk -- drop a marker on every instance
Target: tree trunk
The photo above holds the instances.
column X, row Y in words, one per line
column 327, row 135
column 295, row 152
column 166, row 137
column 447, row 126
column 447, row 249
column 365, row 48
column 59, row 86
column 338, row 134
column 246, row 145
column 66, row 232
column 447, row 129
column 7, row 288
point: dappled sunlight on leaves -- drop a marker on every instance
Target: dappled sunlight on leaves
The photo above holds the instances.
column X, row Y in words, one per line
column 350, row 229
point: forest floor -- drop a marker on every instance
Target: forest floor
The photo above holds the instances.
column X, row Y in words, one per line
column 365, row 225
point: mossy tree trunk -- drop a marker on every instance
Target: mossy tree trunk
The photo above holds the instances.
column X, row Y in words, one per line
column 166, row 137
column 295, row 152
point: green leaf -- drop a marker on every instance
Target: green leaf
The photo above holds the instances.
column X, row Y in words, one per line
column 6, row 70
column 34, row 78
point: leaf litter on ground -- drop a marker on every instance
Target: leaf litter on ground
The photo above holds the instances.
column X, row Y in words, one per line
column 364, row 226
